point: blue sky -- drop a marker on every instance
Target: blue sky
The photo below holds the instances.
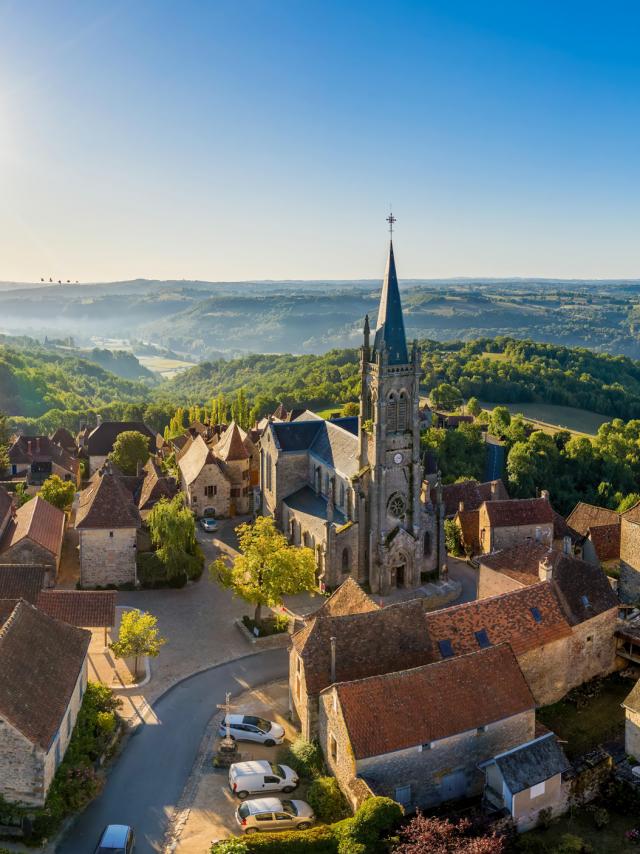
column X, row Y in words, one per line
column 266, row 139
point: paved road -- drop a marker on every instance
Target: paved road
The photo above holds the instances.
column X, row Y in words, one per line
column 147, row 780
column 467, row 576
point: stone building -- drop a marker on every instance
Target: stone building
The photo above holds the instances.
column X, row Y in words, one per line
column 632, row 723
column 6, row 510
column 418, row 735
column 599, row 529
column 629, row 583
column 107, row 521
column 505, row 523
column 34, row 535
column 99, row 443
column 559, row 620
column 204, row 480
column 38, row 457
column 352, row 488
column 233, row 452
column 43, row 676
column 526, row 780
column 469, row 495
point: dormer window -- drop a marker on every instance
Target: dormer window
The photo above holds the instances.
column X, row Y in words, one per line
column 535, row 613
column 446, row 648
column 483, row 639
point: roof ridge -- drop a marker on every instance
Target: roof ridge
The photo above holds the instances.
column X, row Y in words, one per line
column 11, row 618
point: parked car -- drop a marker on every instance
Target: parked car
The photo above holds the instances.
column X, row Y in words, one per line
column 259, row 775
column 252, row 728
column 208, row 525
column 273, row 814
column 117, row 839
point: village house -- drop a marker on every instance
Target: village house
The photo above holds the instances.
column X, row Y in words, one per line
column 107, row 520
column 629, row 583
column 43, row 676
column 418, row 735
column 599, row 529
column 100, row 441
column 63, row 437
column 34, row 535
column 526, row 780
column 37, row 457
column 469, row 495
column 560, row 619
column 232, row 451
column 631, row 707
column 504, row 523
column 204, row 480
column 153, row 485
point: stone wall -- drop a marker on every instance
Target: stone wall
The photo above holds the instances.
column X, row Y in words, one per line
column 492, row 583
column 341, row 761
column 240, row 499
column 632, row 734
column 211, row 476
column 30, row 553
column 107, row 557
column 494, row 539
column 66, row 729
column 304, row 706
column 629, row 584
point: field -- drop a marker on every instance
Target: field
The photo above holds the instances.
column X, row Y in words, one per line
column 547, row 415
column 167, row 368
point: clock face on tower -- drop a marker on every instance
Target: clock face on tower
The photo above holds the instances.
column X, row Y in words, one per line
column 397, row 458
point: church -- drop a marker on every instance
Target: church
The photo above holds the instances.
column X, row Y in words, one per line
column 352, row 488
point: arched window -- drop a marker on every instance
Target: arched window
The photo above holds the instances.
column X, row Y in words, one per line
column 306, row 540
column 392, row 413
column 318, row 483
column 268, row 472
column 403, row 406
column 426, row 545
column 341, row 494
column 346, row 560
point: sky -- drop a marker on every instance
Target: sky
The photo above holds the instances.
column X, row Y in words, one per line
column 267, row 139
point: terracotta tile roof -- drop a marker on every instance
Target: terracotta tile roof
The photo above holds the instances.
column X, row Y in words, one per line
column 561, row 529
column 7, row 607
column 18, row 581
column 106, row 503
column 606, row 541
column 520, row 562
column 632, row 514
column 405, row 709
column 195, row 458
column 472, row 494
column 519, row 511
column 30, row 449
column 231, row 445
column 40, row 662
column 38, row 521
column 100, row 440
column 585, row 516
column 83, row 608
column 155, row 486
column 64, row 438
column 470, row 526
column 367, row 644
column 493, row 490
column 582, row 588
column 6, row 503
column 507, row 618
column 349, row 598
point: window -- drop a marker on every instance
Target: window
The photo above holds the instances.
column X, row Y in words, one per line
column 333, row 748
column 428, row 745
column 235, row 492
column 483, row 639
column 345, row 560
column 270, row 779
column 537, row 616
column 585, row 601
column 537, row 790
column 402, row 411
column 210, row 491
column 396, row 506
column 111, row 533
column 589, row 638
column 194, row 499
column 446, row 648
column 341, row 494
column 403, row 795
column 282, row 816
column 426, row 545
column 392, row 414
column 264, row 816
column 481, row 730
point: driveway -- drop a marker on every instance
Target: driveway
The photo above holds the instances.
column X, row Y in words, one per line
column 146, row 782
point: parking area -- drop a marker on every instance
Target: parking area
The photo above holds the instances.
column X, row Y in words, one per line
column 207, row 812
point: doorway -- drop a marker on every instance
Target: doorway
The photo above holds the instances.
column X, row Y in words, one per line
column 400, row 575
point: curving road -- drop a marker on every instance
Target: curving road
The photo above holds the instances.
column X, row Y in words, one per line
column 147, row 780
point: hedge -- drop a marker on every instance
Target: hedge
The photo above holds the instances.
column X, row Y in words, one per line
column 327, row 801
column 305, row 757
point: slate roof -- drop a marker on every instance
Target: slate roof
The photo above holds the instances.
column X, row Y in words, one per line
column 585, row 516
column 306, row 500
column 532, row 763
column 294, row 435
column 575, row 579
column 18, row 581
column 100, row 440
column 64, row 438
column 33, row 449
column 83, row 608
column 106, row 503
column 367, row 644
column 519, row 511
column 507, row 618
column 195, row 458
column 337, row 447
column 632, row 700
column 38, row 521
column 390, row 326
column 405, row 709
column 349, row 598
column 40, row 662
column 231, row 445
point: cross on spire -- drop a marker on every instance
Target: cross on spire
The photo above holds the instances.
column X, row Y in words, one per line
column 391, row 219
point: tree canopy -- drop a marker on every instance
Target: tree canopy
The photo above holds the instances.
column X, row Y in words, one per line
column 138, row 635
column 58, row 492
column 130, row 449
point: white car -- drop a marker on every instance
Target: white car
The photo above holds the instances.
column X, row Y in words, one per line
column 252, row 728
column 259, row 775
column 273, row 814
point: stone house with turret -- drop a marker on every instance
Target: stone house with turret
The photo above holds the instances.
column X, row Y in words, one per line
column 232, row 451
column 205, row 480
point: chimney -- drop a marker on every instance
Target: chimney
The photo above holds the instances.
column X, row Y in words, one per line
column 545, row 569
column 494, row 488
column 538, row 534
column 544, row 493
column 38, row 445
column 566, row 545
column 332, row 641
column 461, row 507
column 98, row 420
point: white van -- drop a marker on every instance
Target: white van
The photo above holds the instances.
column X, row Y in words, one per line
column 246, row 778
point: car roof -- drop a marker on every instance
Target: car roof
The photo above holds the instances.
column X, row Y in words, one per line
column 264, row 805
column 254, row 766
column 115, row 836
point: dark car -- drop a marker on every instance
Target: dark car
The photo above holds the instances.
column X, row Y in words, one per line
column 116, row 839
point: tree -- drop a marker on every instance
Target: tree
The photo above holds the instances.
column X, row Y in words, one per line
column 351, row 408
column 445, row 396
column 4, row 443
column 58, row 492
column 138, row 635
column 473, row 407
column 267, row 567
column 499, row 421
column 130, row 449
column 173, row 533
column 423, row 835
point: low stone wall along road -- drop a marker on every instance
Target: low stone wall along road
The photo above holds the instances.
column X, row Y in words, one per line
column 146, row 782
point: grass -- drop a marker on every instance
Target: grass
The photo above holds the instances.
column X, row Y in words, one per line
column 585, row 725
column 609, row 839
column 161, row 365
column 328, row 412
column 581, row 421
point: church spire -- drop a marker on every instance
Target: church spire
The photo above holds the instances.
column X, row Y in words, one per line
column 390, row 325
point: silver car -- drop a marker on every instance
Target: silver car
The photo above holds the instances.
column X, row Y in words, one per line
column 252, row 728
column 273, row 814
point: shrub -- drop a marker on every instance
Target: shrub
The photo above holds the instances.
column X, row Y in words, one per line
column 316, row 840
column 305, row 757
column 228, row 846
column 600, row 816
column 376, row 818
column 570, row 844
column 528, row 844
column 275, row 625
column 328, row 802
column 106, row 722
